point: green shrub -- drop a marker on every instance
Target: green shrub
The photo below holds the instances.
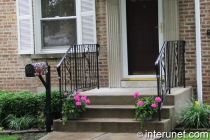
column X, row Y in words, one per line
column 55, row 106
column 16, row 123
column 24, row 102
column 195, row 115
column 18, row 104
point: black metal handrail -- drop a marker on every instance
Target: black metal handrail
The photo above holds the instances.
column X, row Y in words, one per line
column 78, row 68
column 170, row 69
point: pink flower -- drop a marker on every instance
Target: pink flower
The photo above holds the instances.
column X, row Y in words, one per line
column 136, row 94
column 158, row 99
column 78, row 103
column 87, row 101
column 153, row 105
column 76, row 98
column 65, row 93
column 140, row 103
column 77, row 92
column 83, row 98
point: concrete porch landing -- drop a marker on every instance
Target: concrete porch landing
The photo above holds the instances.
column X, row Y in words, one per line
column 127, row 91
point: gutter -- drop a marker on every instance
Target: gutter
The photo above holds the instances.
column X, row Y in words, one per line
column 198, row 52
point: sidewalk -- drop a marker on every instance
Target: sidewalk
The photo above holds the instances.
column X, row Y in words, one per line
column 91, row 136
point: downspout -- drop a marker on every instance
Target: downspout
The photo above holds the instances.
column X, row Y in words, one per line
column 198, row 51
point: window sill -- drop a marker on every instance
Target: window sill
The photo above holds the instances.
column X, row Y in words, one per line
column 46, row 56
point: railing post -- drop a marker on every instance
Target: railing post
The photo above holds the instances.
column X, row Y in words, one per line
column 48, row 102
column 158, row 80
column 168, row 67
column 97, row 54
column 183, row 47
column 59, row 81
column 75, row 64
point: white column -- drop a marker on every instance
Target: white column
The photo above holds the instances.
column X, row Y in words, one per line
column 113, row 43
column 198, row 51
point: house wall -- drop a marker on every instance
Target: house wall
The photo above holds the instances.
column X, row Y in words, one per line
column 12, row 72
column 12, row 65
column 187, row 33
column 205, row 43
column 102, row 41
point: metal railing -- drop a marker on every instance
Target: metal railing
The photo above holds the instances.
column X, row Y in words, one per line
column 78, row 68
column 170, row 69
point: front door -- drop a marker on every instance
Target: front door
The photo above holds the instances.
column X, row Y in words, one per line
column 142, row 36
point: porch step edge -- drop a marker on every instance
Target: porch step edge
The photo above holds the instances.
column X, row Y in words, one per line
column 114, row 125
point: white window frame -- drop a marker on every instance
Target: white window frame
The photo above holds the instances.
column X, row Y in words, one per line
column 86, row 32
column 78, row 17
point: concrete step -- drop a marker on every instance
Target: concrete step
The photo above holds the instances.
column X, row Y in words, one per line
column 124, row 96
column 120, row 111
column 111, row 125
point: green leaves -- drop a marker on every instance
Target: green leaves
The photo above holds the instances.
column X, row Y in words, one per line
column 195, row 115
column 24, row 102
column 144, row 107
column 17, row 103
column 73, row 103
column 19, row 123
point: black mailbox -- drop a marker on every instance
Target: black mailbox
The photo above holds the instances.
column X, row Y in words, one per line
column 36, row 69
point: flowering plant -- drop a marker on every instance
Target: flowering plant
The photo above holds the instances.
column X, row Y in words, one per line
column 194, row 115
column 74, row 104
column 146, row 106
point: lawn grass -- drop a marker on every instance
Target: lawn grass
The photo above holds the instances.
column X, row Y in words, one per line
column 10, row 137
column 23, row 136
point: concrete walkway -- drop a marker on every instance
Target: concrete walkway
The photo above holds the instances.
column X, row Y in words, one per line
column 92, row 136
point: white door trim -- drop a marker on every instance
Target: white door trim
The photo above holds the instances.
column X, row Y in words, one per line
column 124, row 38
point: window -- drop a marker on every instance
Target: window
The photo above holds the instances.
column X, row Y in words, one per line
column 55, row 24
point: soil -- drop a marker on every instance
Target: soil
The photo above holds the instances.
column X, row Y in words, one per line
column 32, row 136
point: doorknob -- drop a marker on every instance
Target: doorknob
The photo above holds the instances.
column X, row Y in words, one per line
column 161, row 27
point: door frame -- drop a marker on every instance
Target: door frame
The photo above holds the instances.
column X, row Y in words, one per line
column 124, row 40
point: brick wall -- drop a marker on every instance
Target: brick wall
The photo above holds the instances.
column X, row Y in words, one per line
column 205, row 25
column 187, row 33
column 102, row 40
column 12, row 65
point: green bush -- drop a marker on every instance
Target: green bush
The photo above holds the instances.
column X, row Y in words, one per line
column 195, row 115
column 55, row 105
column 19, row 123
column 18, row 103
column 24, row 102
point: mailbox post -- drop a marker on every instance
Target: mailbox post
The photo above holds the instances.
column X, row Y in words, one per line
column 39, row 69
